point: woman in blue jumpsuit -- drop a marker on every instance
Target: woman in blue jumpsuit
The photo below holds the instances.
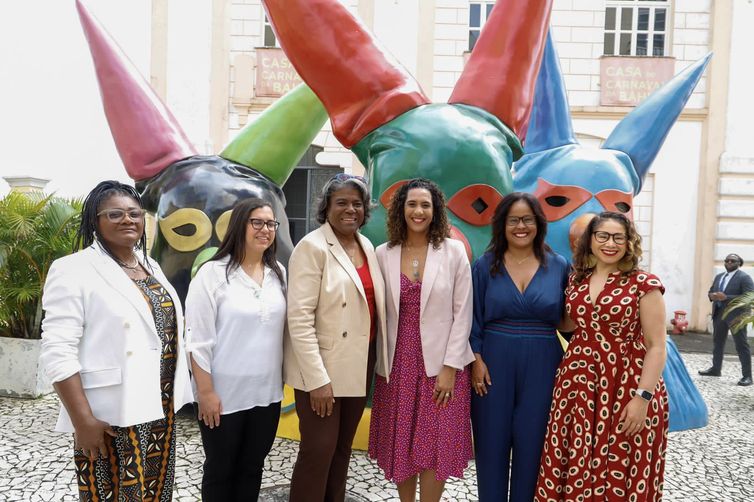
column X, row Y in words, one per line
column 518, row 305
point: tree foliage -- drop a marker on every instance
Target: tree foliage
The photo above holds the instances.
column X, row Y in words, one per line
column 35, row 229
column 740, row 311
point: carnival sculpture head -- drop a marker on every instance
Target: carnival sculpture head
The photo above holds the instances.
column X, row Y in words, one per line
column 377, row 109
column 572, row 182
column 192, row 195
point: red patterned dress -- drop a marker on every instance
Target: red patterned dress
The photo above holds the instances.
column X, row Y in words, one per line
column 585, row 458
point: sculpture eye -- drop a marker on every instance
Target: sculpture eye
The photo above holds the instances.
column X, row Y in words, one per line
column 558, row 201
column 475, row 204
column 186, row 229
column 387, row 195
column 221, row 225
column 615, row 200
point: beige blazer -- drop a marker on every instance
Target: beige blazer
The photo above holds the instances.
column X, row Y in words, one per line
column 98, row 324
column 446, row 308
column 328, row 316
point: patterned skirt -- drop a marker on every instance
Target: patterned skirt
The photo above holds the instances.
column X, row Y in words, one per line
column 140, row 462
column 408, row 432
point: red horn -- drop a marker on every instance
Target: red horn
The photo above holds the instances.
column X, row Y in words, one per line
column 502, row 71
column 360, row 84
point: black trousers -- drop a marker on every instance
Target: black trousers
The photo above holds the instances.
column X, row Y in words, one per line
column 720, row 336
column 235, row 453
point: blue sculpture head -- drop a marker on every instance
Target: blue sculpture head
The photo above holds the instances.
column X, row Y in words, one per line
column 573, row 182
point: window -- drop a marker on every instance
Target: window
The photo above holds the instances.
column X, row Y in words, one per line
column 270, row 40
column 636, row 28
column 478, row 14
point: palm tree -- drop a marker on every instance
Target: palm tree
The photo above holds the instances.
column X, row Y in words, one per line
column 743, row 308
column 35, row 229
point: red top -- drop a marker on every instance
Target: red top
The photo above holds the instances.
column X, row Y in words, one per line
column 366, row 281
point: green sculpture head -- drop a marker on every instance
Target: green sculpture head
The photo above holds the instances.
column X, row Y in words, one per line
column 466, row 150
column 377, row 109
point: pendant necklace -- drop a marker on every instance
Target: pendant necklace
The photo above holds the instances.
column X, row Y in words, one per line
column 519, row 262
column 414, row 264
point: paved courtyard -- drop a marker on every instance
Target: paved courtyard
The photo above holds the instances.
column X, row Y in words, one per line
column 715, row 464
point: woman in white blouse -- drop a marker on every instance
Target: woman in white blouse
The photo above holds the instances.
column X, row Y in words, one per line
column 235, row 317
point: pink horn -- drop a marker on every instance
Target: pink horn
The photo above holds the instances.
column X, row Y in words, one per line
column 146, row 134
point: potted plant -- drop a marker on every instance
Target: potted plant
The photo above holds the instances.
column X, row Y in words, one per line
column 35, row 229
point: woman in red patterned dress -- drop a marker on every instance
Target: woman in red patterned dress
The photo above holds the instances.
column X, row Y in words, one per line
column 608, row 427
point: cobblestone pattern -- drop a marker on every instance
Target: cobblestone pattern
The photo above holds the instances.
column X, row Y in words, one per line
column 715, row 464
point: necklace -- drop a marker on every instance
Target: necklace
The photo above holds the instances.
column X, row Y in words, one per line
column 351, row 252
column 414, row 263
column 519, row 262
column 128, row 267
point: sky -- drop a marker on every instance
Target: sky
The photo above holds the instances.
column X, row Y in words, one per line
column 51, row 120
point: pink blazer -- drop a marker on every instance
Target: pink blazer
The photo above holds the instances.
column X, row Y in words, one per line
column 446, row 306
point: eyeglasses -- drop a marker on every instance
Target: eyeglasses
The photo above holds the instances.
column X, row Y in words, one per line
column 513, row 221
column 731, row 260
column 118, row 215
column 603, row 237
column 257, row 224
column 346, row 177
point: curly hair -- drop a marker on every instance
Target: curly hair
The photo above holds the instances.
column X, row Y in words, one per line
column 439, row 227
column 499, row 242
column 583, row 259
column 338, row 182
column 88, row 230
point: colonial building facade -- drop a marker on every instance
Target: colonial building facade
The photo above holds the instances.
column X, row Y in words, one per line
column 217, row 65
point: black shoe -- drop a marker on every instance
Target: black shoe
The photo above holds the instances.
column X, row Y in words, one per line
column 710, row 372
column 745, row 382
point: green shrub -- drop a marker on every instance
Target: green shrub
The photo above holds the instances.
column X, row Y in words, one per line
column 35, row 229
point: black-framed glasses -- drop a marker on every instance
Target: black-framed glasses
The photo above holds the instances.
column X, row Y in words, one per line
column 118, row 215
column 730, row 260
column 257, row 224
column 345, row 177
column 602, row 237
column 513, row 221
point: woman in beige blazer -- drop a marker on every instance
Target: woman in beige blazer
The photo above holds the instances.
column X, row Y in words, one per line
column 421, row 425
column 336, row 308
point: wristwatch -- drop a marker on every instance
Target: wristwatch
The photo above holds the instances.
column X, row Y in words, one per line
column 644, row 394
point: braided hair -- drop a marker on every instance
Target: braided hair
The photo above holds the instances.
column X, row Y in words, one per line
column 88, row 231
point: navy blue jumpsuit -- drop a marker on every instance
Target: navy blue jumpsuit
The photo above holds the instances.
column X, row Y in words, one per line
column 515, row 333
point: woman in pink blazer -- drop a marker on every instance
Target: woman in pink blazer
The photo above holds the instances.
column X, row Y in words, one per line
column 420, row 424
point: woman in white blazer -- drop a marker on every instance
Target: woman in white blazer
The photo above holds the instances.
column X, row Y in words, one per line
column 112, row 346
column 420, row 418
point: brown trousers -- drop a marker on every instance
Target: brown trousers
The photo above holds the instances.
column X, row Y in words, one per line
column 325, row 449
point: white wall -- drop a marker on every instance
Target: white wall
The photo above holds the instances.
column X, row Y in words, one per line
column 738, row 142
column 188, row 68
column 51, row 120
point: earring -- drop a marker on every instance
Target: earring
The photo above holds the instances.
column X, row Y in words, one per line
column 591, row 261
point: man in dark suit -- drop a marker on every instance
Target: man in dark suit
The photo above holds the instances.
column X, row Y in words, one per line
column 727, row 286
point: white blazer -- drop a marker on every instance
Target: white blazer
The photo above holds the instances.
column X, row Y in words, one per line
column 446, row 307
column 98, row 324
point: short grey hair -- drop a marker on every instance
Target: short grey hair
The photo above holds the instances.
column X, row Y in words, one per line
column 336, row 184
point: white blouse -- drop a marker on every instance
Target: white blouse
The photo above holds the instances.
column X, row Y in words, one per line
column 234, row 331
